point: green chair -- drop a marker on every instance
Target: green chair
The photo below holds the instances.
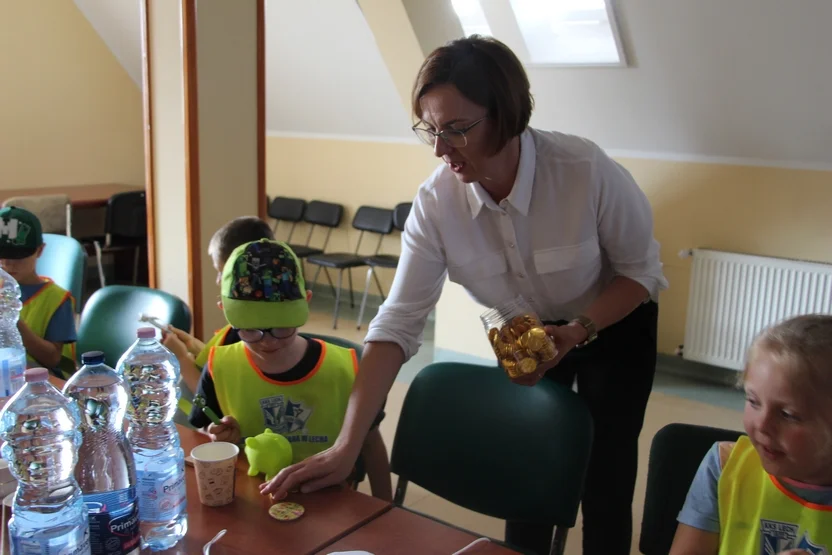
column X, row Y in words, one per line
column 111, row 317
column 470, row 436
column 64, row 262
column 337, row 341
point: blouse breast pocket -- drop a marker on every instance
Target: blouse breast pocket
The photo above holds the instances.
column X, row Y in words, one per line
column 483, row 276
column 568, row 272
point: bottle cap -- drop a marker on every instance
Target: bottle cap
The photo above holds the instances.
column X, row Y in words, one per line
column 146, row 333
column 36, row 375
column 92, row 357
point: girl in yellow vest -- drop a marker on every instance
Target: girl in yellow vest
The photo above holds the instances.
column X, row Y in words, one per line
column 47, row 320
column 771, row 492
column 274, row 378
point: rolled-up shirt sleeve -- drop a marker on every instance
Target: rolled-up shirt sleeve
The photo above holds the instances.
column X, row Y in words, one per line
column 418, row 282
column 625, row 226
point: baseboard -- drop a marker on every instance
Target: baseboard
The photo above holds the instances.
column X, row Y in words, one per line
column 676, row 365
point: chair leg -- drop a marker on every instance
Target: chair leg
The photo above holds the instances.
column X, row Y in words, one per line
column 314, row 279
column 352, row 299
column 98, row 259
column 378, row 284
column 559, row 540
column 337, row 300
column 364, row 297
column 329, row 279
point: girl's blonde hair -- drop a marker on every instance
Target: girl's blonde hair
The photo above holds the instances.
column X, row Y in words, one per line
column 803, row 347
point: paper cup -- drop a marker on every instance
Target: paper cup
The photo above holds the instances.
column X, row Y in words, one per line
column 216, row 472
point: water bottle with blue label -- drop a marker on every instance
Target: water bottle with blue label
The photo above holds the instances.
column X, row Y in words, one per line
column 105, row 472
column 12, row 352
column 39, row 428
column 152, row 372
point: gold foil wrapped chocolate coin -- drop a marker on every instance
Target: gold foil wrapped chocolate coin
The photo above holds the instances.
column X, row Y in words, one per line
column 521, row 344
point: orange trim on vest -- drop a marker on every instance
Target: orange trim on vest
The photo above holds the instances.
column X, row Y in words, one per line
column 44, row 280
column 793, row 497
column 303, row 379
column 224, row 336
column 211, row 361
column 354, row 361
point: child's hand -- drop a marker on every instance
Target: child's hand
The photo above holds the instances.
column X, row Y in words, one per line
column 228, row 430
column 188, row 342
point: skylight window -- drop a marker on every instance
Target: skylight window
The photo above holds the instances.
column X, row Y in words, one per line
column 550, row 32
column 471, row 17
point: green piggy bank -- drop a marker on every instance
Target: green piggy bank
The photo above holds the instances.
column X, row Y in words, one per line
column 268, row 453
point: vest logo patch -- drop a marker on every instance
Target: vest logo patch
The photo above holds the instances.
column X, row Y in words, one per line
column 783, row 536
column 288, row 418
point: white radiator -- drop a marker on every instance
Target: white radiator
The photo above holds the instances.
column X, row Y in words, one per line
column 735, row 296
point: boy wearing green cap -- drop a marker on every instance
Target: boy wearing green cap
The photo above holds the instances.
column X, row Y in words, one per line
column 274, row 378
column 47, row 319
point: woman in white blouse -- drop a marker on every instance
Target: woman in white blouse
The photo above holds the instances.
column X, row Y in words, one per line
column 515, row 210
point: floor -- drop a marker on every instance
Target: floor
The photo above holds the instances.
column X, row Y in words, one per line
column 674, row 399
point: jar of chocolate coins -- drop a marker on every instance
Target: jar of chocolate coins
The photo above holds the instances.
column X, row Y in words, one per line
column 517, row 336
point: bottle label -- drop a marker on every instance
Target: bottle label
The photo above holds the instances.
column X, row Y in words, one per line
column 75, row 542
column 162, row 494
column 114, row 522
column 11, row 372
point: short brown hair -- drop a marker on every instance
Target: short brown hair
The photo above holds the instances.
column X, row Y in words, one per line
column 238, row 231
column 487, row 73
column 803, row 347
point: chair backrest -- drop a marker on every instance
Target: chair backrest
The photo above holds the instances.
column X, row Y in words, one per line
column 373, row 219
column 111, row 317
column 327, row 214
column 287, row 209
column 400, row 214
column 675, row 455
column 52, row 211
column 64, row 261
column 341, row 342
column 127, row 215
column 469, row 435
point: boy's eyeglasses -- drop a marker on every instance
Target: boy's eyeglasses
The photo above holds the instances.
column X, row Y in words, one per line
column 455, row 138
column 255, row 335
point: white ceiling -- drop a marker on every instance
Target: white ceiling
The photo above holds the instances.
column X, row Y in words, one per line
column 748, row 79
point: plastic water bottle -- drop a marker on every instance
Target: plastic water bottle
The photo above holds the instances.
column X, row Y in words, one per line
column 152, row 373
column 39, row 428
column 12, row 352
column 105, row 470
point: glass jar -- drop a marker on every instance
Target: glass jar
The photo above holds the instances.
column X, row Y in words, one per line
column 516, row 334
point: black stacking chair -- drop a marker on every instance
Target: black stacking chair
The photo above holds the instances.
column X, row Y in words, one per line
column 400, row 214
column 289, row 210
column 125, row 228
column 319, row 214
column 675, row 455
column 368, row 219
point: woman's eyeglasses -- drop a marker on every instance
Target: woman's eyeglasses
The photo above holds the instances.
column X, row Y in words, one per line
column 454, row 138
column 255, row 335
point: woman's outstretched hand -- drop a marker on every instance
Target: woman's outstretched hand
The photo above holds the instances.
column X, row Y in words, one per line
column 565, row 338
column 327, row 468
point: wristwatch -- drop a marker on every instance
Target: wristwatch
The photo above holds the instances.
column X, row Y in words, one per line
column 591, row 331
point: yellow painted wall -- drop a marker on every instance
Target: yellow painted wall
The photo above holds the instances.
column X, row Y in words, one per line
column 758, row 210
column 352, row 173
column 69, row 113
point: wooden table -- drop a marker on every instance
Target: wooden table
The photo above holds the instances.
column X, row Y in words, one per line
column 330, row 514
column 81, row 196
column 400, row 532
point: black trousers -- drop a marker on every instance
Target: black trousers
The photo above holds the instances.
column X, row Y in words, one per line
column 615, row 376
